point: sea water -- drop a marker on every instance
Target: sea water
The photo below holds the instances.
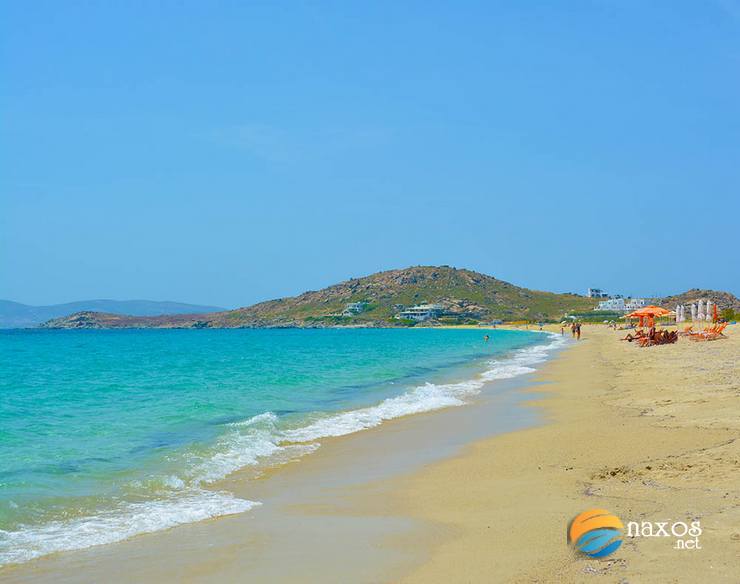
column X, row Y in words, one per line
column 108, row 434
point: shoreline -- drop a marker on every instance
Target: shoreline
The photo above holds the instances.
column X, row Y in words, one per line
column 409, row 431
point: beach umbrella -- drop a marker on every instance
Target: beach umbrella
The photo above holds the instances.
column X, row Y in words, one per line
column 700, row 310
column 693, row 312
column 678, row 313
column 649, row 311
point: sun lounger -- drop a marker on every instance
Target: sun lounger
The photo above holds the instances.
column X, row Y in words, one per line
column 710, row 334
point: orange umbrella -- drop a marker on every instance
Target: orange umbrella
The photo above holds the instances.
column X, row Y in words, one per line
column 650, row 311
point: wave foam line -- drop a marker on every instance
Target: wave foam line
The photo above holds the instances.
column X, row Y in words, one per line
column 425, row 398
column 116, row 525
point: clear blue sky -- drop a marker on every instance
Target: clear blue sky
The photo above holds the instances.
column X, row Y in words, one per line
column 230, row 152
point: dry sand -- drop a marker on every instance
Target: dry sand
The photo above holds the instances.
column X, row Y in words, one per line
column 649, row 434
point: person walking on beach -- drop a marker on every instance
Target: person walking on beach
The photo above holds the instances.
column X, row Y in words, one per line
column 573, row 329
column 562, row 331
column 578, row 331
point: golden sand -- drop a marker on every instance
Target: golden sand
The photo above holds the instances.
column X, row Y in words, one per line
column 649, row 434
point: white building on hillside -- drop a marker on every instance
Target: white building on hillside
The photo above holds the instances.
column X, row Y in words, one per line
column 613, row 304
column 354, row 308
column 622, row 305
column 635, row 304
column 421, row 312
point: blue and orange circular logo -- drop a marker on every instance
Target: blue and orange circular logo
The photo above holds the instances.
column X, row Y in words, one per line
column 596, row 533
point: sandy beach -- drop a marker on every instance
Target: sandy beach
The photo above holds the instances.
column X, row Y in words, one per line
column 466, row 495
column 649, row 434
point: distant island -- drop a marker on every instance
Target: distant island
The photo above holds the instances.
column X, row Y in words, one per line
column 17, row 315
column 435, row 295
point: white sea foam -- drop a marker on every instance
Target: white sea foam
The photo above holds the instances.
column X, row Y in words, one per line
column 425, row 398
column 117, row 524
column 248, row 443
column 251, row 442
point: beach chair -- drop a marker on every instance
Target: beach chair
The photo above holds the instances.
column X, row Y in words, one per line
column 710, row 334
column 717, row 332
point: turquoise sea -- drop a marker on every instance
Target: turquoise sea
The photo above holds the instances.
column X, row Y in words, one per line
column 107, row 434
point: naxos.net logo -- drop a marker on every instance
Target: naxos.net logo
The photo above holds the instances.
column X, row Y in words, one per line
column 596, row 533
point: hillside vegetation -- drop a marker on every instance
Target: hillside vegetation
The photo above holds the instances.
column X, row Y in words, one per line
column 466, row 296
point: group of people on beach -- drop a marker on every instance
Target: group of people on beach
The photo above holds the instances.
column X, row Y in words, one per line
column 652, row 337
column 575, row 330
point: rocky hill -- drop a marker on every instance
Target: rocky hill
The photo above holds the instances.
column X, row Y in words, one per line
column 466, row 296
column 723, row 300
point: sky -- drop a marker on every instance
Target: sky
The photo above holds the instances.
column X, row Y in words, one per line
column 230, row 152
